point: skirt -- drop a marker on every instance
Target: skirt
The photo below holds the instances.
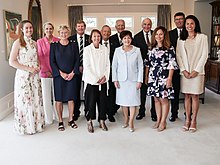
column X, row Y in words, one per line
column 192, row 86
column 128, row 94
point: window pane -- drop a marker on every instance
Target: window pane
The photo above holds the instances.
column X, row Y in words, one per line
column 90, row 21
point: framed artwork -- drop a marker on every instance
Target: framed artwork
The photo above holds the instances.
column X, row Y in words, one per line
column 11, row 21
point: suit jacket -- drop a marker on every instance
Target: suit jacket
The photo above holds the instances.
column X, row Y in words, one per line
column 73, row 38
column 114, row 43
column 140, row 42
column 173, row 37
column 127, row 65
column 195, row 61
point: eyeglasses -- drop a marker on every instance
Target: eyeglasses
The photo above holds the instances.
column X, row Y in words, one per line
column 179, row 19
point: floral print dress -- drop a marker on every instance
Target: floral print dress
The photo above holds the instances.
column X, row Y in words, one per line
column 160, row 61
column 28, row 113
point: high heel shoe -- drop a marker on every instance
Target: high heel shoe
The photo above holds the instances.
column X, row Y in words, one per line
column 103, row 126
column 186, row 126
column 124, row 126
column 162, row 127
column 131, row 130
column 156, row 125
column 193, row 128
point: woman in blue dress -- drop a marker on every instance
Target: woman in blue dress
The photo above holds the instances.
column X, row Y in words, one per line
column 64, row 61
column 159, row 71
column 127, row 75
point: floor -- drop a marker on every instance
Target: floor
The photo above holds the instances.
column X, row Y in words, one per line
column 118, row 146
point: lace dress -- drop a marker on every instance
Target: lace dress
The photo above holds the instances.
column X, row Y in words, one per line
column 28, row 113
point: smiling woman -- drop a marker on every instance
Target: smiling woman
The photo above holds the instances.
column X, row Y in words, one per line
column 35, row 16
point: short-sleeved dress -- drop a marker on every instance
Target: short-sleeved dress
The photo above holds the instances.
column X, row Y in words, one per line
column 160, row 61
column 28, row 102
column 66, row 59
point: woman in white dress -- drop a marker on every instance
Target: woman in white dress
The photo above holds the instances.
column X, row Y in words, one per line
column 127, row 75
column 28, row 114
column 192, row 54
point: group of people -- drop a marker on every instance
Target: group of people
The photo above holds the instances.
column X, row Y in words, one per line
column 113, row 71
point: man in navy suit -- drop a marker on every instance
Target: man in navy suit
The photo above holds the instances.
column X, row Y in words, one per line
column 80, row 34
column 174, row 34
column 115, row 42
column 141, row 41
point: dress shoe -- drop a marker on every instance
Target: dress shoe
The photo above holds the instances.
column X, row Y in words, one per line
column 139, row 117
column 75, row 118
column 111, row 118
column 154, row 118
column 173, row 118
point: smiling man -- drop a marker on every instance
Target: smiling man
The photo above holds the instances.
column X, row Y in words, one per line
column 174, row 34
column 142, row 40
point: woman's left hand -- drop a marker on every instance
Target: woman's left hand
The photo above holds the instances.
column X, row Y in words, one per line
column 193, row 74
column 169, row 83
column 138, row 86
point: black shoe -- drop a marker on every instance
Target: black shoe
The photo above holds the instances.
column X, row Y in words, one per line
column 139, row 117
column 173, row 118
column 154, row 118
column 75, row 118
column 111, row 118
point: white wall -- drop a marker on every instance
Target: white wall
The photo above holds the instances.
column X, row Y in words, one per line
column 17, row 6
column 203, row 11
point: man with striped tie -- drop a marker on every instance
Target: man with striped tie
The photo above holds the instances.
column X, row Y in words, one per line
column 82, row 40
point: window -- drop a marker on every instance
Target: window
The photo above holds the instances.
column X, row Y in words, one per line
column 91, row 23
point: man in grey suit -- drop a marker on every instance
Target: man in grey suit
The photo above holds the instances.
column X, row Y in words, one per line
column 142, row 40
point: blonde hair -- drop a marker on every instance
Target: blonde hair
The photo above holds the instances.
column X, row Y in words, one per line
column 62, row 27
column 47, row 23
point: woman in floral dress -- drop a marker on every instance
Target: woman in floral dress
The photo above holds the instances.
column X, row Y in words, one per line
column 28, row 114
column 159, row 71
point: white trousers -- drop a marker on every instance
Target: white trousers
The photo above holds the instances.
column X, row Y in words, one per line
column 48, row 96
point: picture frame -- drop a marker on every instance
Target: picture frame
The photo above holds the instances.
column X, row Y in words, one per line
column 11, row 22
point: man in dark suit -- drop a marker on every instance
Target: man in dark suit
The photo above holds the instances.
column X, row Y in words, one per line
column 115, row 42
column 142, row 40
column 174, row 34
column 82, row 40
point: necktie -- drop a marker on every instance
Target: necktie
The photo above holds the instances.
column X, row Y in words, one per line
column 81, row 50
column 106, row 43
column 179, row 32
column 147, row 40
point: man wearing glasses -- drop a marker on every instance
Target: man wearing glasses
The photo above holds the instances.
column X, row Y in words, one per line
column 174, row 35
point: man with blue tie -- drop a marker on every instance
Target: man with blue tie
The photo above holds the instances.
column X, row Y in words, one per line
column 142, row 40
column 174, row 35
column 82, row 40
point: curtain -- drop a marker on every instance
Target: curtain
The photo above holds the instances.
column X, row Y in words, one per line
column 75, row 13
column 164, row 16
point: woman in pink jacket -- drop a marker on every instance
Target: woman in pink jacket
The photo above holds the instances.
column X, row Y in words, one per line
column 43, row 47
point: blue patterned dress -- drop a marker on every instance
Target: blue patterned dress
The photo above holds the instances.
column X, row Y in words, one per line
column 160, row 61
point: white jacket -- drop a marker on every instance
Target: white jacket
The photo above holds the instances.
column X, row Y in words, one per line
column 198, row 58
column 96, row 64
